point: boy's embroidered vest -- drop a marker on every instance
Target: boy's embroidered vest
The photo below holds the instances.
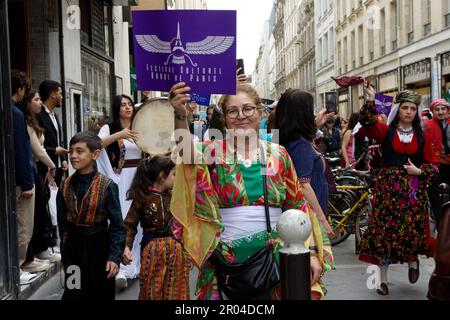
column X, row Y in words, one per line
column 92, row 209
column 394, row 159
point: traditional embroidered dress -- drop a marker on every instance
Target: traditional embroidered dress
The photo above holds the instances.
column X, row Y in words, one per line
column 164, row 264
column 86, row 203
column 119, row 162
column 205, row 201
column 398, row 229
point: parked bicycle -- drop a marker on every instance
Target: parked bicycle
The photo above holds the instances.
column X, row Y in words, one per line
column 349, row 208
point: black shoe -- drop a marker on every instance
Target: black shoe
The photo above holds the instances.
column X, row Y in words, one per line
column 413, row 274
column 383, row 289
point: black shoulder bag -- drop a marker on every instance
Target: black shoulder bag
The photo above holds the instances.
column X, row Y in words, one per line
column 258, row 274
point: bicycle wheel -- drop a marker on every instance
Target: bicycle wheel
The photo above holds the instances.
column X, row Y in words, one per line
column 338, row 204
column 362, row 223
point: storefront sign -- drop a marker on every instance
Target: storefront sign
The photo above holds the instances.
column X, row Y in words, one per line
column 417, row 72
column 197, row 47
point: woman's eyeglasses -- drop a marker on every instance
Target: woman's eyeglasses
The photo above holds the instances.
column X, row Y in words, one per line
column 246, row 111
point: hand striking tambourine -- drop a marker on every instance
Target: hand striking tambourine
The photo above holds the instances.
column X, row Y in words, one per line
column 155, row 126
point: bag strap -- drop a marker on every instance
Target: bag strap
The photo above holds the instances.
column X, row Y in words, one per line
column 266, row 197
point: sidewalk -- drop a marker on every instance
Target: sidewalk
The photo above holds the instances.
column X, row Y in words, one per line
column 36, row 286
column 347, row 282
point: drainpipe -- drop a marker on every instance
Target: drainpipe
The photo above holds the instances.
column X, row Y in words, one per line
column 63, row 72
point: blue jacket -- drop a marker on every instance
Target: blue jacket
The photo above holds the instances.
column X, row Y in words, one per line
column 22, row 151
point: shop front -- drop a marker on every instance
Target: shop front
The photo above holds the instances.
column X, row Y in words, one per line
column 388, row 83
column 445, row 76
column 417, row 77
column 9, row 272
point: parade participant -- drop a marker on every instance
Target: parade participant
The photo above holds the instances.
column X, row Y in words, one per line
column 348, row 141
column 295, row 120
column 220, row 207
column 398, row 229
column 437, row 131
column 331, row 137
column 90, row 222
column 118, row 161
column 43, row 237
column 164, row 265
column 216, row 126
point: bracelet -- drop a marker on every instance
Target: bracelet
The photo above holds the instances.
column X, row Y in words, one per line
column 180, row 117
column 313, row 248
column 313, row 254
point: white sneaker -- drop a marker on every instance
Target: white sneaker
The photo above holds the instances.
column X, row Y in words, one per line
column 121, row 281
column 55, row 249
column 34, row 266
column 42, row 261
column 26, row 277
column 46, row 255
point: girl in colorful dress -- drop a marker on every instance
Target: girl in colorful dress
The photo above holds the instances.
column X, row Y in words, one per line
column 118, row 161
column 398, row 230
column 218, row 200
column 164, row 266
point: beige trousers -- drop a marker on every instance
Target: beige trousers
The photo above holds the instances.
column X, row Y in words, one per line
column 25, row 223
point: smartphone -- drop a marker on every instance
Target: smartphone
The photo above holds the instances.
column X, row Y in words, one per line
column 240, row 64
column 331, row 102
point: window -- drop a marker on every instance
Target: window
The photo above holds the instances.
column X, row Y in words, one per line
column 339, row 55
column 382, row 32
column 96, row 25
column 446, row 13
column 345, row 54
column 319, row 53
column 331, row 45
column 409, row 11
column 426, row 10
column 394, row 25
column 361, row 45
column 353, row 49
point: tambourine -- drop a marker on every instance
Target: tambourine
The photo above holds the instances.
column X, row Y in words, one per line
column 155, row 125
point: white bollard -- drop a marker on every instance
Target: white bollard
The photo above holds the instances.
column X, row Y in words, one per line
column 294, row 228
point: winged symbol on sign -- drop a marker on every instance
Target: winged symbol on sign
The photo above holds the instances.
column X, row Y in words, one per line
column 211, row 45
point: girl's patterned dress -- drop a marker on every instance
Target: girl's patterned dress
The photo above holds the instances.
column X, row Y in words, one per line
column 229, row 184
column 164, row 273
column 398, row 229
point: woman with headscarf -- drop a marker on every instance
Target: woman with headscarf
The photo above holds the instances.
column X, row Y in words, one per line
column 398, row 230
column 118, row 160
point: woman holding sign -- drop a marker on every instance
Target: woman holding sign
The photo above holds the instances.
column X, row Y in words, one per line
column 118, row 160
column 218, row 198
column 398, row 229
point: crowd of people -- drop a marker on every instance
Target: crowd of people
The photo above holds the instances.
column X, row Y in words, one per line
column 125, row 214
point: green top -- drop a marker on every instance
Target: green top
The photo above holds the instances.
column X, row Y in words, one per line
column 253, row 181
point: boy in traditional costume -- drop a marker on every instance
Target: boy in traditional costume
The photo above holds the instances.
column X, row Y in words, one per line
column 91, row 225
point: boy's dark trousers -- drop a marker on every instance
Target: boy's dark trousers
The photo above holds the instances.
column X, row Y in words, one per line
column 87, row 248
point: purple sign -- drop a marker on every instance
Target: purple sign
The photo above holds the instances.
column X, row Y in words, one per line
column 383, row 103
column 197, row 47
column 201, row 99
